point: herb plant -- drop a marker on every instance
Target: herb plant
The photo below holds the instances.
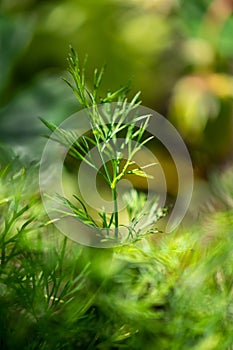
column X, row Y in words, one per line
column 116, row 129
column 55, row 294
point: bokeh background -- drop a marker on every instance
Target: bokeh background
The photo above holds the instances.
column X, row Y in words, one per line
column 178, row 53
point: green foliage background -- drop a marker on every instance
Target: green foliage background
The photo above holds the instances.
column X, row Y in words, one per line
column 170, row 292
column 174, row 292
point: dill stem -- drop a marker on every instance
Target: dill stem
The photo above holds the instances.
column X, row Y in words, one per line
column 114, row 195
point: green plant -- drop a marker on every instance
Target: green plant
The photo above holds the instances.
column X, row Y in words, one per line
column 37, row 276
column 175, row 293
column 118, row 132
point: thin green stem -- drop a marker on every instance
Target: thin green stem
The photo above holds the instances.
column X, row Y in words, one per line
column 116, row 219
column 114, row 196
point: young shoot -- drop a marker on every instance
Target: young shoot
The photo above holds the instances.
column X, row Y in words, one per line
column 117, row 134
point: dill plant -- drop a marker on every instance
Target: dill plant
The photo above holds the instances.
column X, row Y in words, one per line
column 37, row 276
column 116, row 129
column 176, row 294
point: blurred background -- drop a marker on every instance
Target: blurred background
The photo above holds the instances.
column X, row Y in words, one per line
column 178, row 53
